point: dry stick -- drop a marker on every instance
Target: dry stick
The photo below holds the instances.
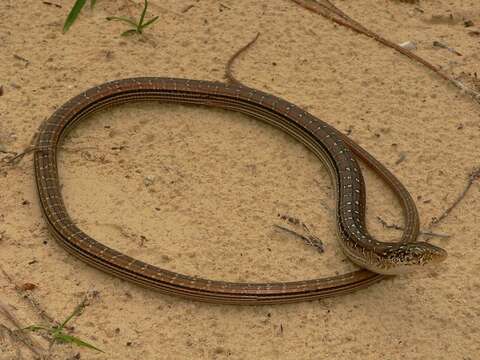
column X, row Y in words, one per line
column 345, row 20
column 474, row 175
column 422, row 232
column 310, row 239
column 18, row 57
column 228, row 69
column 52, row 4
column 187, row 8
column 401, row 159
column 328, row 8
column 22, row 336
column 443, row 46
column 315, row 242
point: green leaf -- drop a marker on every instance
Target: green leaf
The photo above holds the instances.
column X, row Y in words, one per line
column 72, row 16
column 61, row 337
column 129, row 32
column 142, row 17
column 75, row 312
column 117, row 18
column 35, row 328
column 150, row 22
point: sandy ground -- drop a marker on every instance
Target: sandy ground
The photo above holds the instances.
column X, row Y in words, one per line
column 217, row 180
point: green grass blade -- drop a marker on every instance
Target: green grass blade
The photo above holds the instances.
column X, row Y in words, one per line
column 142, row 17
column 61, row 337
column 75, row 312
column 117, row 18
column 150, row 21
column 72, row 16
column 129, row 32
column 92, row 3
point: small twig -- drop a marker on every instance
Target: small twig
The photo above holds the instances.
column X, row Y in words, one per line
column 401, row 159
column 52, row 4
column 310, row 239
column 314, row 242
column 18, row 57
column 474, row 175
column 422, row 232
column 443, row 46
column 228, row 70
column 187, row 8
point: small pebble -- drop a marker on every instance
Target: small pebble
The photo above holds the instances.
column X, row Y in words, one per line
column 149, row 180
column 408, row 45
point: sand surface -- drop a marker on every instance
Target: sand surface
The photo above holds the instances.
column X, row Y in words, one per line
column 198, row 190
